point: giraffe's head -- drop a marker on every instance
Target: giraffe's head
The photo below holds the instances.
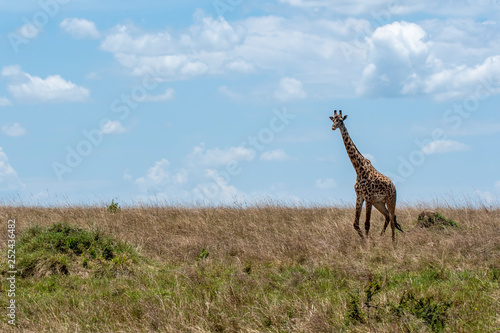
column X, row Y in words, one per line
column 337, row 119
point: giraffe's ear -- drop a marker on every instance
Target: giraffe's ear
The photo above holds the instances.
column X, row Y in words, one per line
column 331, row 118
column 344, row 117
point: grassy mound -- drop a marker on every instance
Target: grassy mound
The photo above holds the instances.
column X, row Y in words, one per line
column 428, row 219
column 64, row 249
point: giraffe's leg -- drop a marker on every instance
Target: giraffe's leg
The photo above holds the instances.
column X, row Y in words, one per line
column 383, row 210
column 391, row 207
column 359, row 206
column 368, row 216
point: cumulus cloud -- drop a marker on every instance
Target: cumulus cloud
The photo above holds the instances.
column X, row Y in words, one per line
column 442, row 59
column 274, row 155
column 80, row 28
column 403, row 60
column 199, row 51
column 460, row 81
column 443, row 146
column 397, row 52
column 215, row 46
column 113, row 127
column 289, row 89
column 13, row 130
column 159, row 177
column 202, row 176
column 213, row 34
column 127, row 39
column 27, row 88
column 216, row 189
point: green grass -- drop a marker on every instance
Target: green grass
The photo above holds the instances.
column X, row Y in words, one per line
column 208, row 271
column 63, row 249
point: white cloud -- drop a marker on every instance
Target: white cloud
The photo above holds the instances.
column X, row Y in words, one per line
column 200, row 51
column 113, row 127
column 216, row 190
column 274, row 155
column 202, row 185
column 325, row 184
column 33, row 89
column 218, row 157
column 383, row 10
column 461, row 81
column 166, row 96
column 126, row 39
column 405, row 60
column 197, row 178
column 4, row 101
column 289, row 89
column 213, row 34
column 14, row 71
column 239, row 65
column 13, row 130
column 215, row 46
column 9, row 179
column 443, row 146
column 194, row 68
column 80, row 28
column 396, row 52
column 437, row 58
column 159, row 177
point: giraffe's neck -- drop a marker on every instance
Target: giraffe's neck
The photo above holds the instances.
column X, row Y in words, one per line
column 355, row 156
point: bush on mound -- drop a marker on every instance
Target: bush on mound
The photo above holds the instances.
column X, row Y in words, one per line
column 64, row 249
column 429, row 218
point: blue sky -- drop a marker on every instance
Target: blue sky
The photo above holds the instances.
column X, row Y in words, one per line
column 228, row 100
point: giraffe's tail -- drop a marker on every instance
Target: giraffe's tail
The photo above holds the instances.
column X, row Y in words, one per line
column 398, row 226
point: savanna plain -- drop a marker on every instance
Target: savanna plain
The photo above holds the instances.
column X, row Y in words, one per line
column 260, row 268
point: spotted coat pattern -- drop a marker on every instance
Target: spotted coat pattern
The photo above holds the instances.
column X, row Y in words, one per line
column 371, row 186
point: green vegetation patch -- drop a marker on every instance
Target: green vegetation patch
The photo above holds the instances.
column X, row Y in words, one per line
column 113, row 207
column 428, row 219
column 64, row 249
column 432, row 311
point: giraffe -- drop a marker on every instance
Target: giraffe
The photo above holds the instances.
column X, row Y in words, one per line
column 371, row 186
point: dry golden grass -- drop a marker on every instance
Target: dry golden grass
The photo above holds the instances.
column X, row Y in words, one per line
column 269, row 268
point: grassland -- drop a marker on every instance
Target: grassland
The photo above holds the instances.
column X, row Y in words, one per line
column 268, row 268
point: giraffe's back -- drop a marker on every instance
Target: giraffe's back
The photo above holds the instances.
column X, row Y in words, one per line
column 375, row 187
